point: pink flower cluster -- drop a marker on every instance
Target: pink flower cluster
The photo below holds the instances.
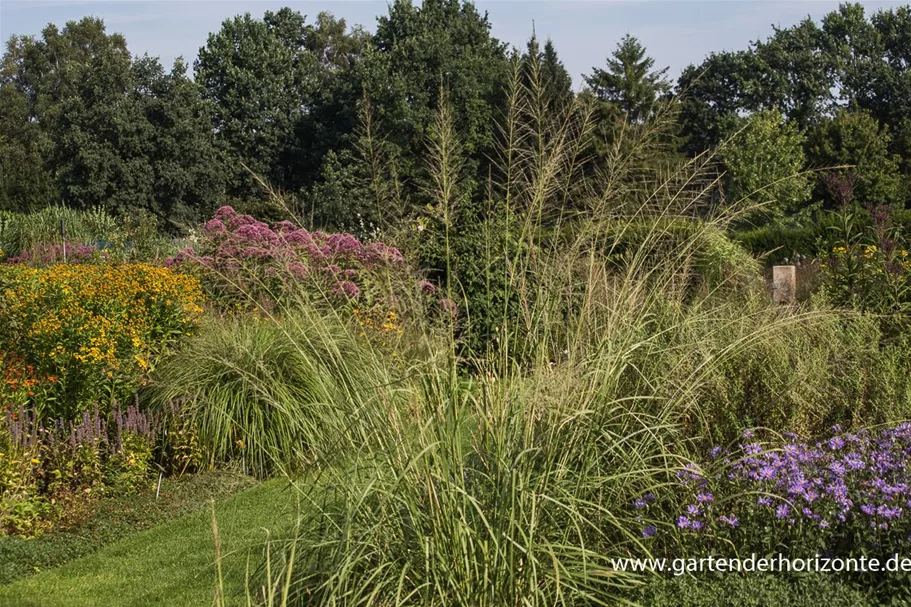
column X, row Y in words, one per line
column 48, row 254
column 234, row 240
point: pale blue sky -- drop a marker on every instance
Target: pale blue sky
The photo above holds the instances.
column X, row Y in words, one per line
column 676, row 32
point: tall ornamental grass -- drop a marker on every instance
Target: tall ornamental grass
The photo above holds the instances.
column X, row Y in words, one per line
column 275, row 393
column 515, row 484
column 512, row 486
column 21, row 232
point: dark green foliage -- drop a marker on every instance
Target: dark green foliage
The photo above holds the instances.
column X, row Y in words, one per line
column 857, row 140
column 543, row 69
column 843, row 82
column 24, row 183
column 419, row 51
column 777, row 244
column 272, row 85
column 753, row 590
column 629, row 84
column 712, row 94
column 635, row 121
column 88, row 125
column 787, row 72
column 359, row 187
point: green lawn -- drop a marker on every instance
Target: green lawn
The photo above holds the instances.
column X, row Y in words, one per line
column 171, row 564
column 115, row 518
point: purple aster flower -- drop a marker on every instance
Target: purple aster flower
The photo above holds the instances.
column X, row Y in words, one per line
column 649, row 531
column 853, row 461
column 889, row 512
column 837, row 468
column 766, row 473
column 683, row 522
column 782, row 511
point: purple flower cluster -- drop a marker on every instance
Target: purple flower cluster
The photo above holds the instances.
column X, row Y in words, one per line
column 48, row 254
column 92, row 428
column 234, row 241
column 856, row 483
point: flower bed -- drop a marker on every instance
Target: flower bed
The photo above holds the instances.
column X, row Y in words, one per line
column 48, row 471
column 72, row 336
column 244, row 263
column 847, row 496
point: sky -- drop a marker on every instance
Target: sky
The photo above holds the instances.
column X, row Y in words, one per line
column 675, row 32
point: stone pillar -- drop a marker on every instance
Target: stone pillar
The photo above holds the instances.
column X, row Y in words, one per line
column 784, row 284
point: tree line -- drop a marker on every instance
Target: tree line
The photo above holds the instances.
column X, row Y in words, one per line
column 338, row 119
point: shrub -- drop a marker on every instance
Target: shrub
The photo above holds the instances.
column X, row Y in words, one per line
column 90, row 332
column 780, row 244
column 246, row 264
column 764, row 163
column 716, row 258
column 869, row 269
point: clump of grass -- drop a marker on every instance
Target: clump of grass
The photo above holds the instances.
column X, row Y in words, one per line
column 515, row 486
column 274, row 393
column 24, row 231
